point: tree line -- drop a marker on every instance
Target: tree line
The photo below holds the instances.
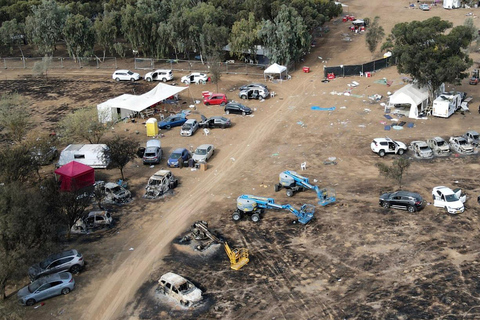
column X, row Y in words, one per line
column 166, row 28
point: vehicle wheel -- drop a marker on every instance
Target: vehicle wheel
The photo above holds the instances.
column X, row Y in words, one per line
column 164, row 79
column 381, row 153
column 133, row 80
column 227, row 112
column 401, row 151
column 186, row 82
column 255, row 217
column 149, row 79
column 185, row 303
column 236, row 216
column 243, row 113
column 65, row 290
column 207, row 103
column 75, row 269
column 289, row 193
column 222, row 104
column 117, row 79
column 277, row 187
column 30, row 302
column 411, row 209
column 168, row 127
column 243, row 97
column 386, row 205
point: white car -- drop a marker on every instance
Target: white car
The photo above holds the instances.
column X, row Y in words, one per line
column 451, row 200
column 125, row 75
column 382, row 146
column 461, row 145
column 159, row 75
column 203, row 153
column 189, row 128
column 195, row 77
column 177, row 287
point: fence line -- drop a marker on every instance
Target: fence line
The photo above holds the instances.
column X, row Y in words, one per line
column 61, row 63
column 355, row 70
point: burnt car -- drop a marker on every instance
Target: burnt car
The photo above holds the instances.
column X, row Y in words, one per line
column 421, row 149
column 461, row 145
column 215, row 122
column 405, row 200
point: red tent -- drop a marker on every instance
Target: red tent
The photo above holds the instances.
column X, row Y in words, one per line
column 75, row 176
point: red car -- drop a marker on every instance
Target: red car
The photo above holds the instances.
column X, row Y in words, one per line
column 215, row 98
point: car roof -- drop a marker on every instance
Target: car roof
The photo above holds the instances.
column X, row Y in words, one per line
column 111, row 185
column 190, row 121
column 218, row 117
column 161, row 173
column 62, row 254
column 407, row 193
column 204, row 146
column 438, row 139
column 121, row 70
column 53, row 277
column 179, row 150
column 173, row 278
column 420, row 143
column 444, row 190
column 473, row 132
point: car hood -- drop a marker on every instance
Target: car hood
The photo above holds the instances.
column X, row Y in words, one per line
column 466, row 147
column 194, row 296
column 23, row 292
column 401, row 145
column 455, row 204
column 198, row 157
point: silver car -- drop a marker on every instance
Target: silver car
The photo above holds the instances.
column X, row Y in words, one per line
column 46, row 287
column 203, row 153
column 70, row 260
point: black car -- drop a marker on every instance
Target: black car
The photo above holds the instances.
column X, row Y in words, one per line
column 406, row 200
column 215, row 122
column 253, row 85
column 238, row 108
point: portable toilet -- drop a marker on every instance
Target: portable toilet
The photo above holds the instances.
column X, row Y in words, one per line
column 152, row 127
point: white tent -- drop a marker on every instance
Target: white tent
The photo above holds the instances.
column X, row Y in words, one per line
column 451, row 4
column 411, row 95
column 126, row 104
column 275, row 69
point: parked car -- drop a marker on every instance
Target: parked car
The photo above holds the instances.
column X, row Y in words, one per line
column 439, row 146
column 70, row 260
column 203, row 153
column 215, row 122
column 424, row 7
column 472, row 137
column 178, row 157
column 451, row 200
column 421, row 149
column 406, row 200
column 94, row 220
column 238, row 108
column 382, row 146
column 153, row 152
column 180, row 289
column 172, row 121
column 195, row 77
column 254, row 93
column 460, row 145
column 159, row 183
column 46, row 287
column 215, row 99
column 159, row 75
column 113, row 193
column 253, row 85
column 125, row 75
column 189, row 128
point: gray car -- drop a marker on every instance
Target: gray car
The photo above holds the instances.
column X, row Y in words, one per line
column 203, row 153
column 70, row 260
column 46, row 287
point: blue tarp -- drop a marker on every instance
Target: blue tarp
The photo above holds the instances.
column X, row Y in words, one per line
column 322, row 109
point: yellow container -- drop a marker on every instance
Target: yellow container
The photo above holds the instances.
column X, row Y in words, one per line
column 152, row 127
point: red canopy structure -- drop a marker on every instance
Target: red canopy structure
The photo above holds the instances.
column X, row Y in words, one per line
column 75, row 176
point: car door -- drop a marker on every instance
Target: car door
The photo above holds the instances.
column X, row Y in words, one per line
column 209, row 152
column 438, row 199
column 185, row 155
column 235, row 109
column 43, row 291
column 395, row 201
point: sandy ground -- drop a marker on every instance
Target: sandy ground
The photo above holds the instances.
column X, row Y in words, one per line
column 353, row 261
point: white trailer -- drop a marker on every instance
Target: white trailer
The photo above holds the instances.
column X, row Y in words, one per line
column 445, row 105
column 451, row 4
column 88, row 154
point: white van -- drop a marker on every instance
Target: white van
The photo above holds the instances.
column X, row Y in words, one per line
column 87, row 154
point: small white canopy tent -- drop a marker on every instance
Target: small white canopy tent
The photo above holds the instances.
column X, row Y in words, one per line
column 123, row 106
column 411, row 95
column 275, row 69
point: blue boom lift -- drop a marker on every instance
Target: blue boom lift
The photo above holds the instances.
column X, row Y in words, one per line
column 255, row 206
column 294, row 182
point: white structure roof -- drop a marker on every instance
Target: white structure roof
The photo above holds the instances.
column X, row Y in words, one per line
column 410, row 94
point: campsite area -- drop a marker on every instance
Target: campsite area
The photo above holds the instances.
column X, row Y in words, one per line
column 354, row 260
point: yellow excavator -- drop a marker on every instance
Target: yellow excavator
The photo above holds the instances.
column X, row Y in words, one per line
column 238, row 257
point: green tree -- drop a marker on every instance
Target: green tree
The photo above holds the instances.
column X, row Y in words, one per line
column 286, row 38
column 244, row 37
column 430, row 55
column 105, row 31
column 396, row 171
column 44, row 27
column 374, row 35
column 215, row 66
column 120, row 152
column 17, row 164
column 83, row 124
column 12, row 35
column 79, row 36
column 14, row 117
column 27, row 228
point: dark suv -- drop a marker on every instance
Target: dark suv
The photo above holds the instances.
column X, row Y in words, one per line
column 405, row 200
